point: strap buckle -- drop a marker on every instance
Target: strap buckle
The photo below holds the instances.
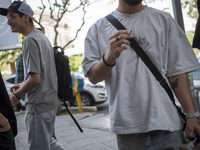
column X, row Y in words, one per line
column 162, row 81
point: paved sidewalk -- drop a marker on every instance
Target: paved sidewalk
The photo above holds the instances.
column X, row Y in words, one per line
column 96, row 135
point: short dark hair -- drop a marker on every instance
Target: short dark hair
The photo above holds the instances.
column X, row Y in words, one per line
column 22, row 14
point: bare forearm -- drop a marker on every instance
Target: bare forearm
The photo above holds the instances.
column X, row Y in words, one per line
column 28, row 85
column 99, row 72
column 181, row 88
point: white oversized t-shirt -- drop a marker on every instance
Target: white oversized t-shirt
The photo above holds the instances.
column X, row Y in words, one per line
column 137, row 102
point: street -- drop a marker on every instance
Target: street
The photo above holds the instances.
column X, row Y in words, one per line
column 102, row 108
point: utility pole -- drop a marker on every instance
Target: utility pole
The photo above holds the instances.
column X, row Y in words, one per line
column 178, row 15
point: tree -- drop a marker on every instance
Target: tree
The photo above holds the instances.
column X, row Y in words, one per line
column 57, row 10
column 8, row 58
column 191, row 5
column 75, row 62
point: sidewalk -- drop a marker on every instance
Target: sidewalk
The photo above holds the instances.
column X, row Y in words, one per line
column 96, row 135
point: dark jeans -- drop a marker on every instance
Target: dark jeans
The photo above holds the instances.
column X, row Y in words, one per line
column 7, row 141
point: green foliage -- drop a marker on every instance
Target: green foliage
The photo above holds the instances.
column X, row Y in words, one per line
column 75, row 62
column 191, row 5
column 21, row 37
column 7, row 58
column 57, row 10
column 190, row 36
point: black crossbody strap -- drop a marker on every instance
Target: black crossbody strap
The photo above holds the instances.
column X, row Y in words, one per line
column 144, row 57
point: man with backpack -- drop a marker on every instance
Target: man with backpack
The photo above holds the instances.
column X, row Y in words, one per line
column 40, row 79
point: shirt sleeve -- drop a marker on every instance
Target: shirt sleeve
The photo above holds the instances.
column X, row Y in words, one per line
column 181, row 57
column 31, row 56
column 91, row 53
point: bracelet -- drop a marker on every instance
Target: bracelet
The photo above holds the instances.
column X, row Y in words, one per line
column 2, row 126
column 192, row 115
column 107, row 63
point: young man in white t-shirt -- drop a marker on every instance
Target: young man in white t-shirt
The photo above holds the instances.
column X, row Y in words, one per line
column 141, row 112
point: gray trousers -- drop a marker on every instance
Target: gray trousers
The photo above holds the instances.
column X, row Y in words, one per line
column 154, row 140
column 41, row 128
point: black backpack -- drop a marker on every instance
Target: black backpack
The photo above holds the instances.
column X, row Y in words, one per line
column 65, row 87
column 65, row 91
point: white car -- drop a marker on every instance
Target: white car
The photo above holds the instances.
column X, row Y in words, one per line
column 92, row 94
column 9, row 82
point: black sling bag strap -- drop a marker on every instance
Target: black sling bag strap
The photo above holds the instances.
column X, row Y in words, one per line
column 144, row 57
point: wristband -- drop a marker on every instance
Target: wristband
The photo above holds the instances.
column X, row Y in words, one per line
column 107, row 63
column 193, row 115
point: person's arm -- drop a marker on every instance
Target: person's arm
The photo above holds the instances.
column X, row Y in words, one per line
column 101, row 70
column 180, row 86
column 32, row 81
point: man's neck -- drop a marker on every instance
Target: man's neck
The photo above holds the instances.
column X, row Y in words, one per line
column 128, row 9
column 28, row 30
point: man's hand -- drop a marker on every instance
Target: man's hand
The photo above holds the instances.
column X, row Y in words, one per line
column 118, row 43
column 15, row 87
column 14, row 101
column 193, row 127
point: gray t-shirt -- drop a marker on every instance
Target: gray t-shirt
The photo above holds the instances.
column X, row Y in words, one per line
column 38, row 57
column 137, row 102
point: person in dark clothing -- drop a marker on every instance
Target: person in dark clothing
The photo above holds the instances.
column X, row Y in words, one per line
column 196, row 40
column 7, row 141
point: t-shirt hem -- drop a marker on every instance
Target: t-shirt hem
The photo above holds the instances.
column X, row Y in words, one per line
column 135, row 130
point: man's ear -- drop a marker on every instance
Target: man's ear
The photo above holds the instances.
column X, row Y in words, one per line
column 26, row 16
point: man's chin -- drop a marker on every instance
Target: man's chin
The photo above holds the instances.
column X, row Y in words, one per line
column 13, row 30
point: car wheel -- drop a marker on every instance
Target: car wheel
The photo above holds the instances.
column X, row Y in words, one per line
column 86, row 100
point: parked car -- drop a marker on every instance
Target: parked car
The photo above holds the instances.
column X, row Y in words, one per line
column 196, row 82
column 92, row 94
column 196, row 79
